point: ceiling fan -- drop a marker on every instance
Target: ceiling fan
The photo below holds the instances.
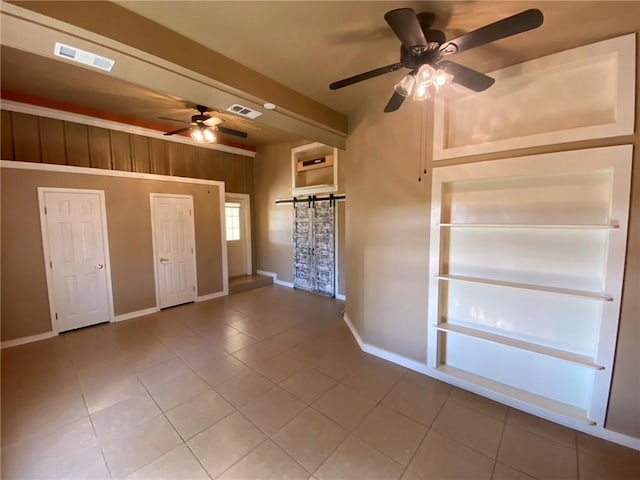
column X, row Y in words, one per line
column 203, row 127
column 423, row 49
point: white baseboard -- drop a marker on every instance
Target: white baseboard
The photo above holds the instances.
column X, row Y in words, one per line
column 275, row 278
column 136, row 314
column 420, row 367
column 341, row 296
column 211, row 296
column 32, row 338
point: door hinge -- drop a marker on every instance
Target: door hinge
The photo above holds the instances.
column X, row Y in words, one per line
column 189, row 212
column 50, row 264
column 45, row 210
column 194, row 288
column 56, row 315
column 191, row 250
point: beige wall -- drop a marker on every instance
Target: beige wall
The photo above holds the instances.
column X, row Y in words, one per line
column 388, row 217
column 25, row 308
column 274, row 223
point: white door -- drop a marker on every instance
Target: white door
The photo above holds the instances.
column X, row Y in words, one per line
column 238, row 234
column 75, row 241
column 174, row 247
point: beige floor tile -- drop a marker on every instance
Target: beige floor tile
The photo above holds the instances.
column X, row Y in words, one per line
column 125, row 415
column 267, row 462
column 542, row 427
column 37, row 454
column 178, row 464
column 222, row 370
column 243, row 388
column 279, row 368
column 355, row 459
column 271, row 410
column 503, row 472
column 237, row 342
column 338, row 364
column 392, row 433
column 163, row 372
column 600, row 448
column 308, row 384
column 480, row 404
column 373, row 381
column 198, row 413
column 102, row 395
column 441, row 458
column 418, row 398
column 136, row 447
column 174, row 392
column 307, row 352
column 608, row 468
column 537, row 456
column 149, row 355
column 344, row 406
column 226, row 442
column 473, row 429
column 310, row 438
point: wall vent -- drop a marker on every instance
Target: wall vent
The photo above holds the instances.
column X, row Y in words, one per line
column 243, row 111
column 86, row 58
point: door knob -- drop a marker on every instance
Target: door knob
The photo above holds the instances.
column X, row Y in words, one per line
column 163, row 260
column 99, row 266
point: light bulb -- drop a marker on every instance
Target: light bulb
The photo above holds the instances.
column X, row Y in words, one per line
column 405, row 86
column 426, row 74
column 196, row 134
column 442, row 79
column 421, row 92
column 209, row 136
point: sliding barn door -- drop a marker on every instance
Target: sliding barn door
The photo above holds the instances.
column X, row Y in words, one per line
column 314, row 246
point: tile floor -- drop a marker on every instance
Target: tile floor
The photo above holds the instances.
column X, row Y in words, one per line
column 263, row 384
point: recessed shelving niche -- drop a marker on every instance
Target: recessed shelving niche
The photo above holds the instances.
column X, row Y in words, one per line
column 527, row 259
column 314, row 169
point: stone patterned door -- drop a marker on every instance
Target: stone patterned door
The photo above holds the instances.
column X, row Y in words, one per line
column 314, row 246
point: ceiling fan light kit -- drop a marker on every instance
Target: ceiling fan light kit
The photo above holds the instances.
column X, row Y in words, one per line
column 203, row 127
column 423, row 48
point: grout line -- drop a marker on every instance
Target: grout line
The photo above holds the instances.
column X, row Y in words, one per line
column 504, row 426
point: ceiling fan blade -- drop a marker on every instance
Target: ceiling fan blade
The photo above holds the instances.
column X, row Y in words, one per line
column 467, row 77
column 173, row 132
column 231, row 131
column 404, row 23
column 395, row 102
column 518, row 23
column 365, row 76
column 213, row 121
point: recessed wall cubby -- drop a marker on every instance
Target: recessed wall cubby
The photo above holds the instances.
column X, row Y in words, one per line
column 314, row 169
column 527, row 261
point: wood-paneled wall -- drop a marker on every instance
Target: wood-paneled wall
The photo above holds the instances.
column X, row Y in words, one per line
column 29, row 138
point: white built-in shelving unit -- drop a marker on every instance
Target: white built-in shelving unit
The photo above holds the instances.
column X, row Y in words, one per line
column 526, row 268
column 314, row 179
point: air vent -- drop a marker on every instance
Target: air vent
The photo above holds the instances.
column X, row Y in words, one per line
column 243, row 111
column 86, row 58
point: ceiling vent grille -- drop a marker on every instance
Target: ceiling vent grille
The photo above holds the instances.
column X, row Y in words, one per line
column 243, row 111
column 86, row 58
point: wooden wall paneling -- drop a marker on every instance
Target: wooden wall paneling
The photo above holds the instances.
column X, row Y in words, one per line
column 192, row 161
column 159, row 157
column 248, row 175
column 52, row 141
column 26, row 138
column 6, row 132
column 100, row 148
column 176, row 159
column 121, row 151
column 233, row 173
column 214, row 165
column 76, row 142
column 140, row 154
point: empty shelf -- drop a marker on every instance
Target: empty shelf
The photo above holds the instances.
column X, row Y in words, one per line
column 490, row 386
column 525, row 286
column 604, row 226
column 582, row 360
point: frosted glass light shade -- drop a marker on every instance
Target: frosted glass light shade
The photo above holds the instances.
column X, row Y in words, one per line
column 405, row 86
column 442, row 79
column 209, row 136
column 197, row 135
column 421, row 91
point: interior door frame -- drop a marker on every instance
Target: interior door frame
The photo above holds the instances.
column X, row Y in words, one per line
column 156, row 277
column 244, row 199
column 47, row 255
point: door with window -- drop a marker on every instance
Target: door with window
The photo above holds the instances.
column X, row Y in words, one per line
column 174, row 249
column 238, row 233
column 76, row 251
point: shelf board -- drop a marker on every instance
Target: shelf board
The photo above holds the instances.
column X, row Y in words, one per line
column 581, row 360
column 525, row 286
column 486, row 385
column 604, row 226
